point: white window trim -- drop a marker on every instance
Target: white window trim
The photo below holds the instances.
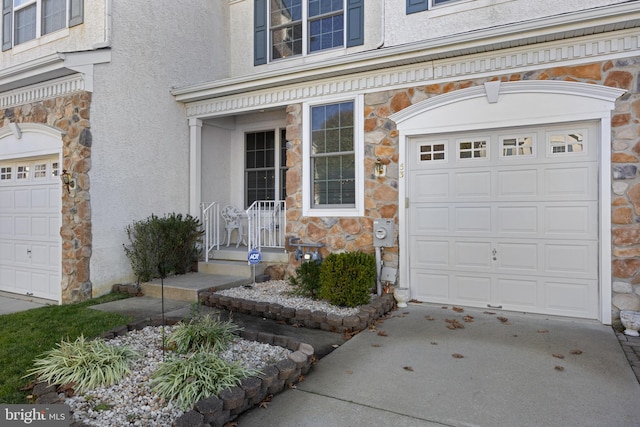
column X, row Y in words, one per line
column 358, row 210
column 305, row 33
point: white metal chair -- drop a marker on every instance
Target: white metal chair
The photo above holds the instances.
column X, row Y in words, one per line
column 232, row 221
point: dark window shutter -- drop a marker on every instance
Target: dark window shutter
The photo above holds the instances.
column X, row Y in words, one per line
column 355, row 22
column 76, row 12
column 260, row 32
column 414, row 6
column 7, row 30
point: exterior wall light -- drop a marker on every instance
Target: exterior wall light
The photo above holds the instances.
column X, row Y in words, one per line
column 68, row 181
column 379, row 169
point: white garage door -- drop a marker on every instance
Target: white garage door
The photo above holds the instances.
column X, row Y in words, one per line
column 506, row 219
column 30, row 218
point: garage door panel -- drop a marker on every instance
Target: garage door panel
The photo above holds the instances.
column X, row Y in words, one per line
column 571, row 297
column 430, row 253
column 518, row 293
column 472, row 184
column 21, row 198
column 570, row 259
column 517, row 220
column 6, row 198
column 570, row 182
column 472, row 219
column 473, row 289
column 520, row 183
column 429, row 286
column 436, row 219
column 6, row 226
column 472, row 255
column 519, row 257
column 575, row 221
column 430, row 187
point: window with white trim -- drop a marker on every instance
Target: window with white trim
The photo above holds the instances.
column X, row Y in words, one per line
column 436, row 151
column 5, row 173
column 333, row 155
column 287, row 28
column 414, row 6
column 473, row 148
column 25, row 20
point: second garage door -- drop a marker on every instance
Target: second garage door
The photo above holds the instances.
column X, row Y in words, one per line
column 506, row 219
column 30, row 219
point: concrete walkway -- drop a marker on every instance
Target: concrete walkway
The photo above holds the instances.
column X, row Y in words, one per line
column 501, row 369
column 13, row 303
column 413, row 371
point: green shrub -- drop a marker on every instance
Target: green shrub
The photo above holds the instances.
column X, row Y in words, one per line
column 199, row 376
column 347, row 279
column 159, row 246
column 87, row 364
column 203, row 333
column 306, row 282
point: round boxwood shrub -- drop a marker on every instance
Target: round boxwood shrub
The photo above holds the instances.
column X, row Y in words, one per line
column 347, row 279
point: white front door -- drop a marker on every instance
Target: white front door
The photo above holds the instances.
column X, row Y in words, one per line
column 506, row 218
column 30, row 219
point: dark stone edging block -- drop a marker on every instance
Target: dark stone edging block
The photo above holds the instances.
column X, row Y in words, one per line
column 216, row 411
column 304, row 317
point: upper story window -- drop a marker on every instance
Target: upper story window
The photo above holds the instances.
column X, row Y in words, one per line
column 414, row 6
column 25, row 20
column 286, row 28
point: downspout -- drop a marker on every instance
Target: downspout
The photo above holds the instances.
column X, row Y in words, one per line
column 382, row 23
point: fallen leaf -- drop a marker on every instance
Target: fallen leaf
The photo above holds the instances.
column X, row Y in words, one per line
column 558, row 355
column 408, row 368
column 434, row 343
column 382, row 333
column 451, row 327
column 335, row 345
column 292, row 386
column 488, row 312
column 348, row 371
column 376, row 345
column 265, row 402
column 444, row 307
column 559, row 368
column 515, row 335
column 231, row 424
column 301, row 378
column 502, row 319
column 457, row 356
column 543, row 331
column 458, row 309
column 428, row 317
column 576, row 351
column 416, row 301
column 468, row 319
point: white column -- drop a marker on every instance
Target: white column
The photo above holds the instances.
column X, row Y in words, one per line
column 195, row 166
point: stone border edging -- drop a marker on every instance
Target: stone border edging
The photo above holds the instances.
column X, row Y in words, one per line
column 310, row 319
column 216, row 411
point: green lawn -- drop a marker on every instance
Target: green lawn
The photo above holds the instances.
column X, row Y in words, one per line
column 27, row 334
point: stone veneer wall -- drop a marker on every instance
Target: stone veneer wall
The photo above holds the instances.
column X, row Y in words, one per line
column 381, row 194
column 69, row 114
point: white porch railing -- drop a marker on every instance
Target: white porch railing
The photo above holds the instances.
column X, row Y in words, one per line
column 266, row 222
column 211, row 224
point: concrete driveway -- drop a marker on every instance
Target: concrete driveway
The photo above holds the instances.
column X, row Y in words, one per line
column 502, row 369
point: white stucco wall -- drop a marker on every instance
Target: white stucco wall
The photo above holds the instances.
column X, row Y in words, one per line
column 92, row 34
column 140, row 150
column 463, row 16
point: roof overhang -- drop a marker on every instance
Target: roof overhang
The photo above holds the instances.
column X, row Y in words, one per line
column 575, row 24
column 52, row 67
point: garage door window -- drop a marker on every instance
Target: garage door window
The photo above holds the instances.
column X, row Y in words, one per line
column 569, row 142
column 517, row 146
column 23, row 172
column 5, row 173
column 433, row 152
column 475, row 148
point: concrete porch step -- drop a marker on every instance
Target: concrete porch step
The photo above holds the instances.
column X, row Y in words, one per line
column 185, row 287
